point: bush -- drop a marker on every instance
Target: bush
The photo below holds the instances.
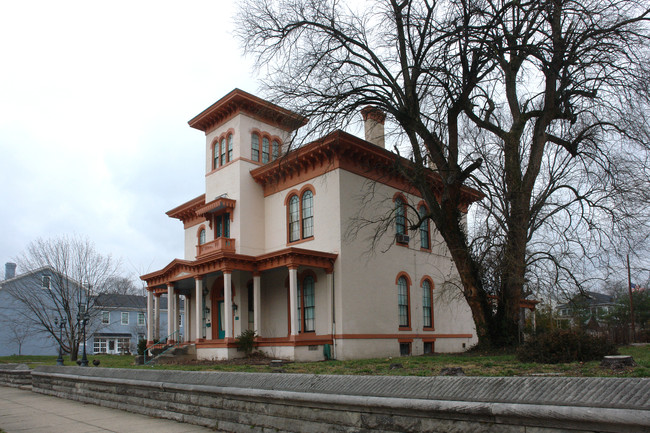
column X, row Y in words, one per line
column 561, row 346
column 246, row 341
column 142, row 345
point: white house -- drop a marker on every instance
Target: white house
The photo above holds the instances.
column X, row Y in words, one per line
column 266, row 246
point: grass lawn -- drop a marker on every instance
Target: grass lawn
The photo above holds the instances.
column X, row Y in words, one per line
column 473, row 364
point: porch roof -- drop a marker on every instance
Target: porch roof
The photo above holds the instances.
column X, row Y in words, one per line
column 179, row 269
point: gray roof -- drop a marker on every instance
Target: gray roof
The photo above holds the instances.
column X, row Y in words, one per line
column 590, row 298
column 112, row 300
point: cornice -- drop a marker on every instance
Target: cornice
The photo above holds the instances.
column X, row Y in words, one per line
column 238, row 101
column 180, row 269
column 187, row 212
column 342, row 150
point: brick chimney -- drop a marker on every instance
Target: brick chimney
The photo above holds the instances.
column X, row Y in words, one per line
column 10, row 271
column 373, row 119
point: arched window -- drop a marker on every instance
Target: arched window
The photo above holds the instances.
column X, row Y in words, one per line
column 427, row 304
column 202, row 237
column 265, row 150
column 215, row 155
column 294, row 219
column 403, row 302
column 276, row 150
column 400, row 216
column 223, row 151
column 255, row 147
column 229, row 157
column 300, row 214
column 425, row 240
column 306, row 305
column 307, row 214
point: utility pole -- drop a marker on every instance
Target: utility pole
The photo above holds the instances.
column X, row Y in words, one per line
column 629, row 289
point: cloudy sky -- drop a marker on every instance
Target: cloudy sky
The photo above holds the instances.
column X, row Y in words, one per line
column 94, row 103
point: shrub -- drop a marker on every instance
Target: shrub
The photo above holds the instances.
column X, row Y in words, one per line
column 142, row 345
column 246, row 341
column 561, row 346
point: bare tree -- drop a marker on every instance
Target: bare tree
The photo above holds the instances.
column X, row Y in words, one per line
column 61, row 279
column 122, row 286
column 547, row 86
column 18, row 332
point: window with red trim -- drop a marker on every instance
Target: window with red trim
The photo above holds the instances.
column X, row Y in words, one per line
column 306, row 305
column 229, row 151
column 215, row 155
column 300, row 218
column 255, row 147
column 403, row 302
column 425, row 239
column 427, row 304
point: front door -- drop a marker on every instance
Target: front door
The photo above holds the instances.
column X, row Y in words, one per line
column 218, row 309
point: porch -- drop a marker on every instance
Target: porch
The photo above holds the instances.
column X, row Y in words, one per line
column 285, row 297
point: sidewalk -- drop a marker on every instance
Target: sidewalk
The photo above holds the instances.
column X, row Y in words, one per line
column 24, row 411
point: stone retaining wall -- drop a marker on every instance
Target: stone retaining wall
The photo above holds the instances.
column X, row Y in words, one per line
column 16, row 375
column 275, row 402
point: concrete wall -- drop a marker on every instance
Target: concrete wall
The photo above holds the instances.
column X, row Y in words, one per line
column 244, row 402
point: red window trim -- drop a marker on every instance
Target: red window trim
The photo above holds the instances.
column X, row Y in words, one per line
column 408, row 300
column 287, row 200
column 431, row 287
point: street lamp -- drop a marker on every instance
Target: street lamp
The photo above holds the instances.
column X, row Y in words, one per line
column 82, row 318
column 61, row 324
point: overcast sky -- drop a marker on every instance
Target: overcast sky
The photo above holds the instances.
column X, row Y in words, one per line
column 94, row 103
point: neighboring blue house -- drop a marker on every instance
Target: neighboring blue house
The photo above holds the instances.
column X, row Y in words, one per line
column 18, row 332
column 116, row 321
column 121, row 322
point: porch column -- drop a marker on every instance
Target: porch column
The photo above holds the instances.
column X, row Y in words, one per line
column 177, row 315
column 198, row 310
column 156, row 319
column 150, row 319
column 227, row 297
column 257, row 317
column 170, row 312
column 293, row 299
column 187, row 330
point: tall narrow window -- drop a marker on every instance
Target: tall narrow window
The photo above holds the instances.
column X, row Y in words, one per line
column 255, row 147
column 427, row 304
column 425, row 242
column 202, row 237
column 226, row 225
column 308, row 303
column 307, row 214
column 294, row 219
column 276, row 150
column 223, row 225
column 223, row 151
column 229, row 147
column 400, row 217
column 265, row 150
column 403, row 302
column 215, row 155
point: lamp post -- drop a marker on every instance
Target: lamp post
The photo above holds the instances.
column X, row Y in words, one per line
column 82, row 318
column 61, row 324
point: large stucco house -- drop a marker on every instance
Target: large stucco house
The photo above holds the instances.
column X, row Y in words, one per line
column 268, row 246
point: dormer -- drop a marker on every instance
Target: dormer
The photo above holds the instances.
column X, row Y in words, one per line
column 243, row 126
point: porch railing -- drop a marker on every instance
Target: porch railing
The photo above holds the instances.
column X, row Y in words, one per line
column 219, row 244
column 174, row 336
